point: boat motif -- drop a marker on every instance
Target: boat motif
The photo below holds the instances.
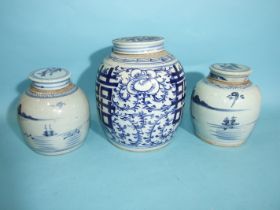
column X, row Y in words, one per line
column 229, row 129
column 229, row 123
column 51, row 141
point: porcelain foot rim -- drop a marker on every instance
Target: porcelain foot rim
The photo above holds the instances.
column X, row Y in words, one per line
column 57, row 153
column 139, row 150
column 220, row 144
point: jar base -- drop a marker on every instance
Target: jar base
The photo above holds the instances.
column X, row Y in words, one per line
column 220, row 143
column 139, row 149
column 56, row 153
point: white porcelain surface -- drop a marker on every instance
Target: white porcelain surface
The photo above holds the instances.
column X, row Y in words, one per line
column 223, row 114
column 57, row 123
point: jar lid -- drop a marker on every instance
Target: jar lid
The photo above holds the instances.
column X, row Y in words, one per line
column 50, row 75
column 138, row 44
column 50, row 78
column 230, row 69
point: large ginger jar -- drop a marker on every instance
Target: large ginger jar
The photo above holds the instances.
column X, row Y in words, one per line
column 140, row 93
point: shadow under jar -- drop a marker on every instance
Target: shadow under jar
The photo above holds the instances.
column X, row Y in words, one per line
column 53, row 113
column 140, row 93
column 225, row 106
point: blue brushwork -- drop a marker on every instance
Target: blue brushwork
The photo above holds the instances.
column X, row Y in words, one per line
column 49, row 71
column 231, row 66
column 235, row 96
column 197, row 101
column 228, row 129
column 227, row 136
column 229, row 123
column 48, row 131
column 139, row 61
column 47, row 141
column 126, row 110
column 215, row 76
column 59, row 105
column 24, row 115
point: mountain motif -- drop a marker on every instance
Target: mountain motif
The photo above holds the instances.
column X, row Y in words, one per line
column 26, row 116
column 200, row 102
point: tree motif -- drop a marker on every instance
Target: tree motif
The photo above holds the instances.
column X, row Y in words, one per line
column 235, row 96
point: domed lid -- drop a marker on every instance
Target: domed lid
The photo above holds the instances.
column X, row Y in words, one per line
column 50, row 75
column 138, row 44
column 230, row 69
column 50, row 78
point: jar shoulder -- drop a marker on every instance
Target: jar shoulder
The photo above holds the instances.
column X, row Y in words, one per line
column 148, row 60
column 53, row 107
column 204, row 87
column 230, row 97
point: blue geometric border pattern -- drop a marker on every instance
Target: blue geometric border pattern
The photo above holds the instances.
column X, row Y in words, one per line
column 106, row 82
column 178, row 79
column 140, row 61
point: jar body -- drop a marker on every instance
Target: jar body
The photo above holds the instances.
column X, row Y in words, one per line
column 224, row 115
column 140, row 99
column 56, row 122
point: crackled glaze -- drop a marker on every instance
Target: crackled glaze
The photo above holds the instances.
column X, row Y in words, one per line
column 225, row 106
column 53, row 113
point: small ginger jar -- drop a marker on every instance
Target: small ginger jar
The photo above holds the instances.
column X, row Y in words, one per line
column 140, row 93
column 225, row 106
column 53, row 113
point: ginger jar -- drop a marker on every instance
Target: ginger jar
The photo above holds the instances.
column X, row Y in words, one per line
column 53, row 113
column 225, row 106
column 140, row 93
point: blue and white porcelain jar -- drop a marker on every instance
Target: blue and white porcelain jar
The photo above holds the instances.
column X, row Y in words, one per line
column 53, row 113
column 140, row 93
column 225, row 106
